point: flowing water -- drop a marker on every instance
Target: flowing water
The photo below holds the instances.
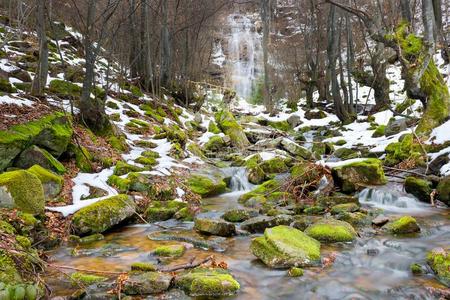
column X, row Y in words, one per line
column 376, row 266
column 244, row 54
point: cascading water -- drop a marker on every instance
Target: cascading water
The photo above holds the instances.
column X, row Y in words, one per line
column 244, row 57
column 238, row 179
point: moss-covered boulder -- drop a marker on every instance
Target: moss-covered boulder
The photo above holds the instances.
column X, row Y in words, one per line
column 344, row 208
column 170, row 251
column 265, row 189
column 102, row 215
column 64, row 89
column 228, row 124
column 255, row 174
column 236, row 215
column 295, row 149
column 402, row 150
column 51, row 182
column 443, row 190
column 403, row 225
column 284, row 247
column 439, row 260
column 123, row 168
column 331, row 231
column 52, row 133
column 206, row 282
column 163, row 210
column 22, row 190
column 350, row 177
column 146, row 283
column 260, row 223
column 379, row 131
column 83, row 158
column 315, row 114
column 420, row 188
column 37, row 156
column 295, row 272
column 6, row 86
column 209, row 224
column 274, row 165
column 206, row 186
column 215, row 143
column 345, row 153
column 306, row 172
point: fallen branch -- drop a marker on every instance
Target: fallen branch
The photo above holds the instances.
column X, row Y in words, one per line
column 84, row 270
column 189, row 265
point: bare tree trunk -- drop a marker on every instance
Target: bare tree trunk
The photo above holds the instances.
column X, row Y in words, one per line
column 265, row 7
column 350, row 61
column 406, row 10
column 134, row 60
column 165, row 45
column 40, row 78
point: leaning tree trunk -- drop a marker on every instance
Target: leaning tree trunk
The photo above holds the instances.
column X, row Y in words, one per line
column 40, row 77
column 92, row 111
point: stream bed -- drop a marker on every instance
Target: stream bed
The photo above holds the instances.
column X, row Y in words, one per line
column 375, row 266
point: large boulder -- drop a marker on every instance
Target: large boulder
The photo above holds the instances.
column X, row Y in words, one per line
column 51, row 182
column 210, row 224
column 206, row 186
column 443, row 190
column 37, row 156
column 294, row 149
column 146, row 283
column 274, row 165
column 207, row 282
column 331, row 231
column 284, row 247
column 102, row 215
column 403, row 225
column 350, row 177
column 439, row 260
column 215, row 143
column 52, row 133
column 228, row 124
column 395, row 126
column 22, row 190
column 420, row 188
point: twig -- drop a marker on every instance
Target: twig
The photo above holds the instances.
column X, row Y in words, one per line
column 84, row 270
column 406, row 171
column 189, row 265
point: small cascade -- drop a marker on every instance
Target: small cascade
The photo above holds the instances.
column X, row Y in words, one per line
column 391, row 200
column 238, row 179
column 244, row 57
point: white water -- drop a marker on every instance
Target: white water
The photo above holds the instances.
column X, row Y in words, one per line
column 244, row 57
column 389, row 199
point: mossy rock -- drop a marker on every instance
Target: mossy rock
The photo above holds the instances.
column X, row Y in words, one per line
column 6, row 87
column 102, row 215
column 420, row 188
column 170, row 251
column 416, row 269
column 314, row 210
column 206, row 186
column 37, row 156
column 196, row 150
column 352, row 176
column 206, row 223
column 22, row 190
column 443, row 190
column 279, row 125
column 403, row 225
column 143, row 266
column 121, row 184
column 236, row 215
column 439, row 260
column 83, row 158
column 344, row 208
column 228, row 124
column 262, row 190
column 212, row 127
column 52, row 133
column 274, row 165
column 205, row 282
column 9, row 273
column 284, row 247
column 261, row 223
column 315, row 114
column 83, row 279
column 322, row 148
column 331, row 231
column 345, row 153
column 163, row 210
column 296, row 149
column 148, row 162
column 51, row 182
column 295, row 272
column 306, row 172
column 123, row 168
column 64, row 89
column 119, row 143
column 147, row 283
column 379, row 131
column 215, row 143
column 403, row 150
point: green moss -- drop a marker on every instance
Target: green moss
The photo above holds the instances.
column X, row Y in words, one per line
column 112, row 105
column 204, row 282
column 25, row 189
column 295, row 272
column 123, row 168
column 146, row 161
column 150, row 154
column 64, row 89
column 121, row 184
column 6, row 87
column 420, row 188
column 215, row 143
column 340, row 142
column 401, row 107
column 439, row 260
column 36, row 155
column 314, row 210
column 83, row 158
column 152, row 113
column 274, row 165
column 264, row 189
column 143, row 267
column 346, row 153
column 115, row 117
column 102, row 215
column 119, row 143
column 79, row 278
column 402, row 150
column 177, row 151
column 6, row 227
column 344, row 207
column 331, row 231
column 45, row 175
column 170, row 251
column 212, row 127
column 163, row 210
column 443, row 190
column 280, row 125
column 205, row 186
column 379, row 131
column 184, row 214
column 175, row 134
column 196, row 150
column 403, row 225
column 228, row 124
column 416, row 269
column 236, row 215
column 8, row 271
column 353, row 175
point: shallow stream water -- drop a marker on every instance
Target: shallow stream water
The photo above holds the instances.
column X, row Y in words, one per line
column 375, row 266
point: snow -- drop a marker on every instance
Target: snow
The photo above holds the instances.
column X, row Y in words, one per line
column 339, row 163
column 440, row 134
column 5, row 99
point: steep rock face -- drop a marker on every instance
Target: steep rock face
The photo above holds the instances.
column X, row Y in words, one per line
column 52, row 133
column 228, row 124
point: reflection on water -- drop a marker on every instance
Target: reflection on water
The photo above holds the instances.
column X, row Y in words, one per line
column 355, row 274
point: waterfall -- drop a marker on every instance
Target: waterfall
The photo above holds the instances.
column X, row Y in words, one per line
column 391, row 200
column 244, row 57
column 238, row 179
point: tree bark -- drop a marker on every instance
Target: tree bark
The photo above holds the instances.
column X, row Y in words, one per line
column 406, row 10
column 265, row 7
column 40, row 78
column 165, row 45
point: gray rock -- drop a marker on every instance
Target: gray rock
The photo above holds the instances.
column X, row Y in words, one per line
column 380, row 220
column 208, row 223
column 295, row 149
column 395, row 126
column 259, row 224
column 294, row 121
column 147, row 283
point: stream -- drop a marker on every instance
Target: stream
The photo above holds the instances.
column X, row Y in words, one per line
column 375, row 266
